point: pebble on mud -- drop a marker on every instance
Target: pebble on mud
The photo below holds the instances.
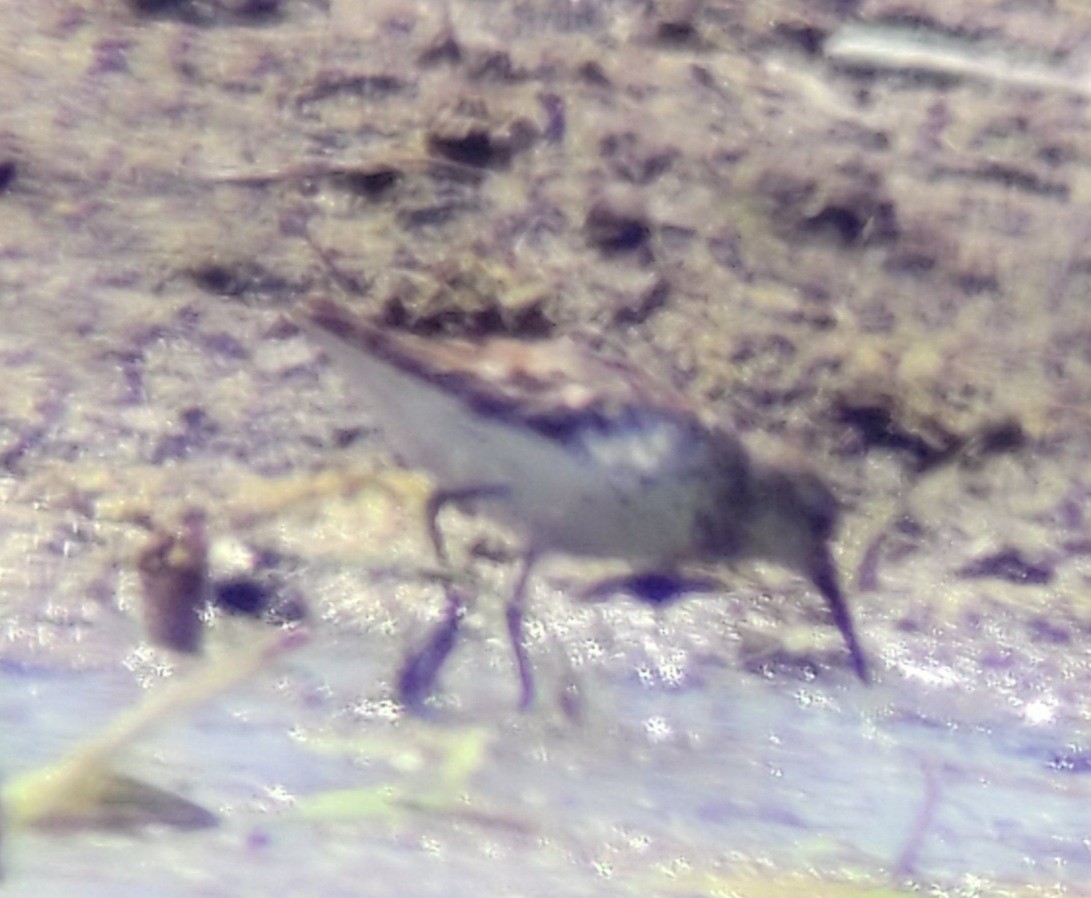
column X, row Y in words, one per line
column 469, row 133
column 615, row 227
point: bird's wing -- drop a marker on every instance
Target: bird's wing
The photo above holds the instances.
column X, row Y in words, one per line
column 553, row 387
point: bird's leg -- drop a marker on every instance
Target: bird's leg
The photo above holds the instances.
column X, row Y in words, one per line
column 516, row 605
column 417, row 676
column 825, row 578
column 441, row 498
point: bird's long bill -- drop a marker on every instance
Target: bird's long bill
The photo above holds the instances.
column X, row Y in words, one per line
column 825, row 578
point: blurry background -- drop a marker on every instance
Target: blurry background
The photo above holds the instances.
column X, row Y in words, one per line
column 858, row 229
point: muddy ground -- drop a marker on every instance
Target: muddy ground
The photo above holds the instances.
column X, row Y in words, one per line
column 857, row 229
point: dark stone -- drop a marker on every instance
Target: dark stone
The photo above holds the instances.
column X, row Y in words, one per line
column 613, row 231
column 878, row 429
column 237, row 280
column 656, row 588
column 474, row 148
column 242, row 595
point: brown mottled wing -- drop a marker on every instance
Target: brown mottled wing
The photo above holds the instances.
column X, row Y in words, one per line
column 549, row 386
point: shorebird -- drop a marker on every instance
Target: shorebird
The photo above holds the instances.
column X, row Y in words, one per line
column 582, row 455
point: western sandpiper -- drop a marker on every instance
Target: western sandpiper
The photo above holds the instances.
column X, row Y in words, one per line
column 582, row 455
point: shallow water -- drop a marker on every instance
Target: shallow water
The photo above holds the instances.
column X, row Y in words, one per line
column 730, row 775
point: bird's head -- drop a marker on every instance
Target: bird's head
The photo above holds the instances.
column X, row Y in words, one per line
column 795, row 517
